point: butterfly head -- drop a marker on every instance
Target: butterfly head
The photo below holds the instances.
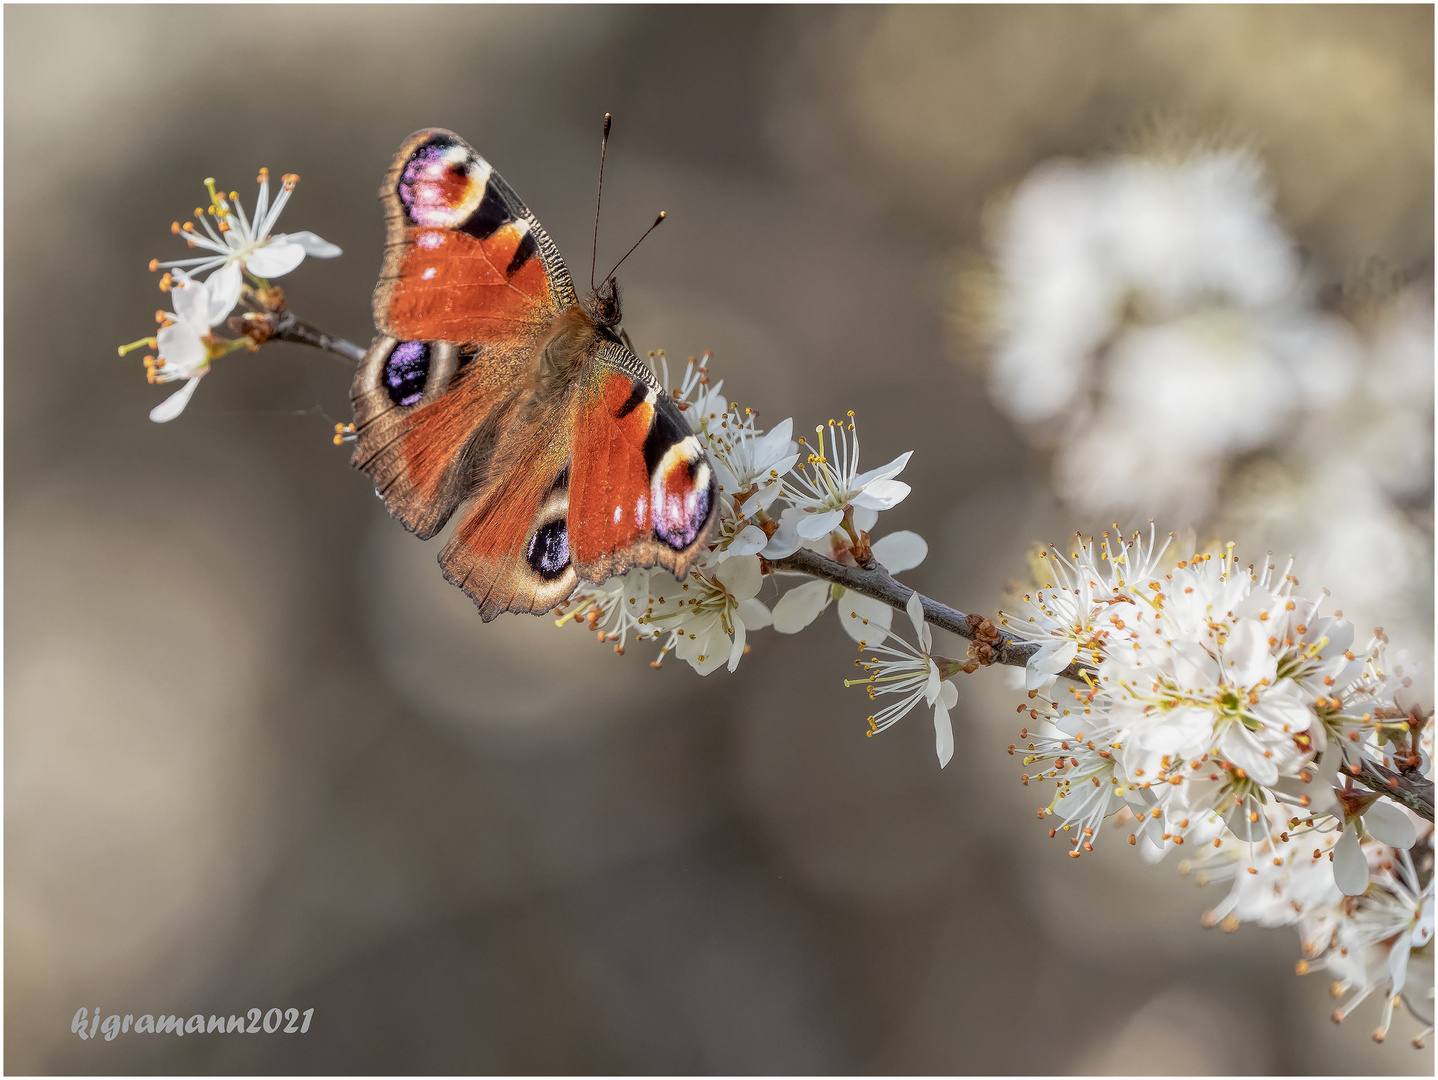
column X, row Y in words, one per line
column 603, row 304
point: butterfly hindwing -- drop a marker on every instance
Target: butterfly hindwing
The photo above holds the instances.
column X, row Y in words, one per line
column 641, row 489
column 609, row 478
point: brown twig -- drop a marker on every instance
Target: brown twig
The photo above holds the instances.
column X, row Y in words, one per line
column 876, row 583
column 289, row 328
column 1412, row 791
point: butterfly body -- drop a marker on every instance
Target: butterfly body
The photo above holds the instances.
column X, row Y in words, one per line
column 490, row 385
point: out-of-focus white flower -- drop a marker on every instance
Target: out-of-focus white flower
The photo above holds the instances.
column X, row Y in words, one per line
column 237, row 244
column 1152, row 324
column 1376, row 938
column 830, row 482
column 183, row 344
column 913, row 674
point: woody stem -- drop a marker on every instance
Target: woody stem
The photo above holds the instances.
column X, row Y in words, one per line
column 875, row 582
column 1413, row 792
column 289, row 328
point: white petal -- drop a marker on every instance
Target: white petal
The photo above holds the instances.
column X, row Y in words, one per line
column 914, row 607
column 736, row 651
column 815, row 526
column 1247, row 659
column 224, row 285
column 191, row 300
column 179, row 345
column 755, row 615
column 1389, row 825
column 728, row 483
column 882, row 494
column 175, row 404
column 783, row 543
column 859, row 615
column 798, row 607
column 275, row 259
column 313, row 245
column 749, row 541
column 884, row 472
column 741, row 576
column 1037, row 680
column 1398, row 966
column 943, row 728
column 774, row 445
column 1350, row 867
column 901, row 550
column 932, row 687
column 865, row 518
column 1053, row 657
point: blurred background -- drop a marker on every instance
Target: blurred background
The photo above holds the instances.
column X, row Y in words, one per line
column 259, row 754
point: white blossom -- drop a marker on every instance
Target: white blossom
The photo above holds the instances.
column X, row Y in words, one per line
column 236, row 243
column 707, row 616
column 830, row 482
column 184, row 345
column 912, row 674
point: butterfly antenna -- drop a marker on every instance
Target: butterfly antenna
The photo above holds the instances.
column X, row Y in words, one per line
column 599, row 199
column 657, row 222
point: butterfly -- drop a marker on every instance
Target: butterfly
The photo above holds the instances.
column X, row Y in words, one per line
column 491, row 385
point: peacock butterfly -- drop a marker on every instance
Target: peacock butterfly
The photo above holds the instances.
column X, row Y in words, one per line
column 490, row 384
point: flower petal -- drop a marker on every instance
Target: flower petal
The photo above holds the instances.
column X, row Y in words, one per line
column 736, row 651
column 884, row 472
column 858, row 615
column 191, row 300
column 815, row 526
column 943, row 727
column 865, row 518
column 1350, row 866
column 179, row 345
column 313, row 245
column 901, row 550
column 275, row 259
column 755, row 615
column 175, row 404
column 798, row 607
column 1389, row 825
column 882, row 494
column 741, row 576
column 224, row 286
column 750, row 540
column 784, row 542
column 771, row 447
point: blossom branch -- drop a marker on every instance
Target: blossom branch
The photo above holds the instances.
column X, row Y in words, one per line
column 876, row 583
column 1413, row 792
column 289, row 328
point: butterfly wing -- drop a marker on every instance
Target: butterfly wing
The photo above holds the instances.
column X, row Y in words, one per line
column 608, row 477
column 470, row 288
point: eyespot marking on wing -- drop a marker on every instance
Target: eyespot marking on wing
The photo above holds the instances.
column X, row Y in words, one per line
column 443, row 184
column 681, row 493
column 406, row 371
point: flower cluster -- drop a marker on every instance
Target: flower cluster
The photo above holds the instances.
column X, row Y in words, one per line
column 1130, row 294
column 776, row 496
column 237, row 247
column 1219, row 709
